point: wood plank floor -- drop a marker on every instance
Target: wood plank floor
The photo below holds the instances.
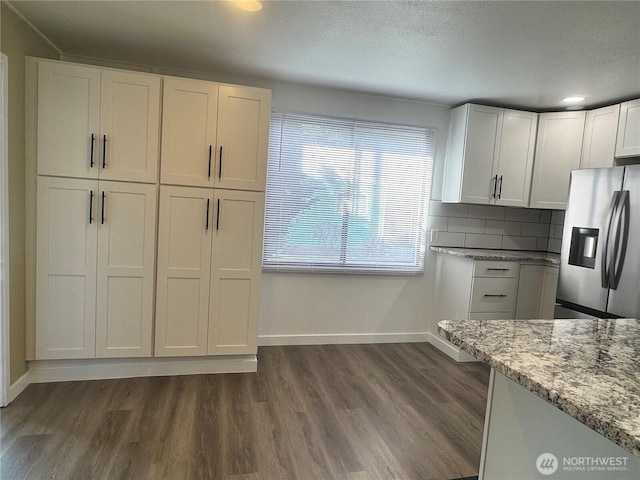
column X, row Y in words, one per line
column 351, row 412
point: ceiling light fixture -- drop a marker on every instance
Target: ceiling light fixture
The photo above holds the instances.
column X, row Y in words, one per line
column 248, row 5
column 573, row 100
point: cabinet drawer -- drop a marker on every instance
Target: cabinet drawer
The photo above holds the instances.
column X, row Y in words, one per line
column 491, row 268
column 493, row 295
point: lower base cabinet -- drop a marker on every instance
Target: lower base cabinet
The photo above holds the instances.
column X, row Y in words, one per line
column 209, row 265
column 537, row 287
column 95, row 268
column 469, row 289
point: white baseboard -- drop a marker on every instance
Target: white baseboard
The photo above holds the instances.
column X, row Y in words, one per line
column 18, row 387
column 360, row 338
column 341, row 338
column 42, row 371
column 449, row 349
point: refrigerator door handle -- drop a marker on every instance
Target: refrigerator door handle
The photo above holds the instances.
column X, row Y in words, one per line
column 607, row 245
column 621, row 239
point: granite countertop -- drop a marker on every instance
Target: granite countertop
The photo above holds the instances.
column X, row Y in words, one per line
column 589, row 369
column 507, row 255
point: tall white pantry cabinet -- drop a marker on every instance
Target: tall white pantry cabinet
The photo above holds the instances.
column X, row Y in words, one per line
column 211, row 218
column 146, row 204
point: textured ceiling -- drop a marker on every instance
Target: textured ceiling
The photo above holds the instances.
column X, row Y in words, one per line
column 525, row 54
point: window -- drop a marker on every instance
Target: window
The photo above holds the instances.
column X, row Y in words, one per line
column 346, row 195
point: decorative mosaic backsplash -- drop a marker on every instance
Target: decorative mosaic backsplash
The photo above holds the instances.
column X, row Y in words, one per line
column 488, row 226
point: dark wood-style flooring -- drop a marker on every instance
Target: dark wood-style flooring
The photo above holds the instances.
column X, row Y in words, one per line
column 351, row 412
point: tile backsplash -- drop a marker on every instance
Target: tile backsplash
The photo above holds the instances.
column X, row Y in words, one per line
column 555, row 232
column 488, row 226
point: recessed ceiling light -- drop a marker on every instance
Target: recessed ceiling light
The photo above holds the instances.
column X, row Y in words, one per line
column 573, row 100
column 248, row 5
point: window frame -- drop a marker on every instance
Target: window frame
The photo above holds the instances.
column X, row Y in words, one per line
column 430, row 133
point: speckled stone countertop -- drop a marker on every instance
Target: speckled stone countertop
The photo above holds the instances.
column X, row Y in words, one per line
column 589, row 369
column 507, row 255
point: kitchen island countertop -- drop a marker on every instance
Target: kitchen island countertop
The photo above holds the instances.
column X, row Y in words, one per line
column 589, row 369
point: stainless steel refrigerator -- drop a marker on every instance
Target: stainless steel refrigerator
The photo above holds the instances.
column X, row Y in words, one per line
column 600, row 259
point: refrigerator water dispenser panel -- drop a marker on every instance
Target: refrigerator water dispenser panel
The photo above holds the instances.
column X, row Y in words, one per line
column 584, row 245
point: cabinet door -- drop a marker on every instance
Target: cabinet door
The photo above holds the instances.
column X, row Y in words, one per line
column 68, row 120
column 536, row 292
column 549, row 289
column 482, row 139
column 126, row 263
column 529, row 292
column 558, row 151
column 189, row 116
column 515, row 163
column 243, row 133
column 184, row 261
column 66, row 268
column 599, row 143
column 628, row 140
column 129, row 126
column 235, row 272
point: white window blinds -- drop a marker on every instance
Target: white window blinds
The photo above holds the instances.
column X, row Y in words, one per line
column 346, row 195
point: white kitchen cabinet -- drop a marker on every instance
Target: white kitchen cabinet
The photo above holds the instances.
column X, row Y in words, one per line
column 185, row 234
column 209, row 264
column 628, row 139
column 599, row 142
column 93, row 169
column 129, row 126
column 66, row 268
column 126, row 219
column 189, row 126
column 214, row 135
column 558, row 151
column 68, row 119
column 489, row 155
column 97, row 123
column 469, row 289
column 537, row 285
column 470, row 154
column 492, row 289
column 515, row 160
column 236, row 264
column 95, row 265
column 243, row 134
column 493, row 295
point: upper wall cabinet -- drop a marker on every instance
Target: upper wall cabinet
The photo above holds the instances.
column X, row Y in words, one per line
column 628, row 142
column 214, row 135
column 515, row 160
column 599, row 143
column 489, row 155
column 97, row 123
column 558, row 150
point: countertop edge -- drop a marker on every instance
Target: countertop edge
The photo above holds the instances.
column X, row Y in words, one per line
column 597, row 424
column 545, row 258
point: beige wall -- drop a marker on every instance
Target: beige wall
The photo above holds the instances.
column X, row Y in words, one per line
column 18, row 40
